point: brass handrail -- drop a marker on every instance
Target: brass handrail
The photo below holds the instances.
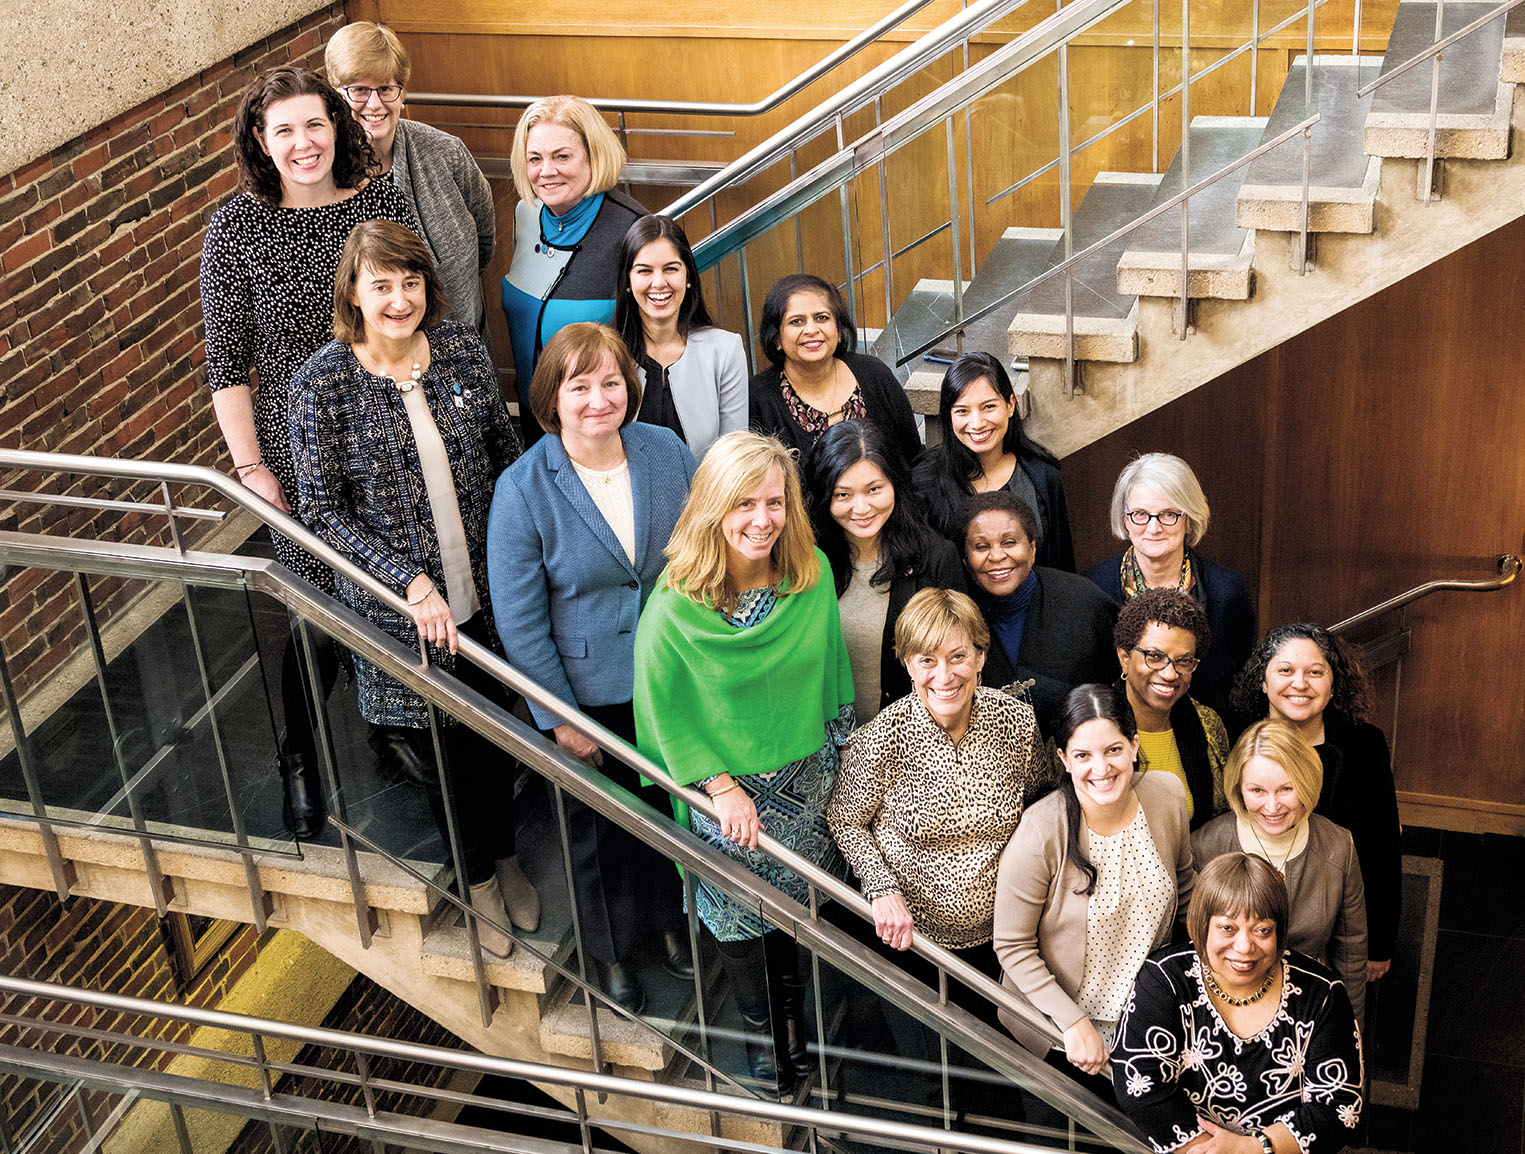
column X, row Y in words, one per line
column 1509, row 565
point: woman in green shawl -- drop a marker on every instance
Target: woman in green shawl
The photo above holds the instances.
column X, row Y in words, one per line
column 743, row 689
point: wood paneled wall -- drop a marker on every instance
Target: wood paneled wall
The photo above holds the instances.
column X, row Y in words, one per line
column 1381, row 449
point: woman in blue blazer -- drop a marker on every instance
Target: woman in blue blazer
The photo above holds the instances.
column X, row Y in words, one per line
column 575, row 542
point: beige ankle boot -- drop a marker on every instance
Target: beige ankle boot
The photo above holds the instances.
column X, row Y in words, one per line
column 487, row 900
column 518, row 894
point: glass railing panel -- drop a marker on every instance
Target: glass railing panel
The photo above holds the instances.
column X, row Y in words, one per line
column 157, row 719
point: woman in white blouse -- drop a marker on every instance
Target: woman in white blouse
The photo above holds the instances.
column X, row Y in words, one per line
column 693, row 375
column 1092, row 881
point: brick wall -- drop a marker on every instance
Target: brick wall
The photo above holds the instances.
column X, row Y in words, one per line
column 102, row 946
column 100, row 317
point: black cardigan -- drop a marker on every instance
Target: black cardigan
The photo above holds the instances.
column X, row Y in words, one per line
column 1360, row 795
column 1225, row 598
column 1056, row 549
column 883, row 397
column 1066, row 641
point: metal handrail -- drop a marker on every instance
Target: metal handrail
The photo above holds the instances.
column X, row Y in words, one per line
column 257, row 1028
column 589, row 786
column 699, row 107
column 861, row 92
column 1508, row 564
column 1438, row 47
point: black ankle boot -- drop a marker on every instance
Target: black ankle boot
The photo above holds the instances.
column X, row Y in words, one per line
column 788, row 989
column 302, row 807
column 396, row 757
column 620, row 984
column 676, row 958
column 745, row 967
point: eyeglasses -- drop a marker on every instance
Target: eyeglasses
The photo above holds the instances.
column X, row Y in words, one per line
column 359, row 93
column 1166, row 517
column 1157, row 660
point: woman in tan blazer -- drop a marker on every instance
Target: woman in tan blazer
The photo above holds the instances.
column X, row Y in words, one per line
column 1092, row 881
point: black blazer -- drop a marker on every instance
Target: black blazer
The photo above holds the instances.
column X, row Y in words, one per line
column 1066, row 642
column 944, row 503
column 940, row 569
column 1225, row 597
column 883, row 396
column 1360, row 795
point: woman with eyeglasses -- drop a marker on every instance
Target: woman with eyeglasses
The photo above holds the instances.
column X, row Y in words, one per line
column 1159, row 636
column 432, row 169
column 1159, row 508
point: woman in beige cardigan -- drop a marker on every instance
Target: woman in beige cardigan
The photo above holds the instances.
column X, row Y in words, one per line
column 1092, row 881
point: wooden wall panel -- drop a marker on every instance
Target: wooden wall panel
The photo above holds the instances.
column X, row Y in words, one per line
column 1379, row 450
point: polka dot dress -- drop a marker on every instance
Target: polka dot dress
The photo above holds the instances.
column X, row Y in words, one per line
column 267, row 297
column 1133, row 890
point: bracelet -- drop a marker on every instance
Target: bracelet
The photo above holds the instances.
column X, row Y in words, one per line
column 718, row 792
column 1265, row 1142
column 425, row 596
column 242, row 470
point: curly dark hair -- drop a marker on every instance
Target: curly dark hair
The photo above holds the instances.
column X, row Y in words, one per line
column 353, row 159
column 1165, row 607
column 1350, row 697
column 995, row 501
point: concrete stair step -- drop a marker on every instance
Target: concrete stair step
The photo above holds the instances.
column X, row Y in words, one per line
column 1105, row 318
column 1474, row 104
column 1342, row 179
column 1218, row 264
column 1512, row 69
column 565, row 1030
column 446, row 951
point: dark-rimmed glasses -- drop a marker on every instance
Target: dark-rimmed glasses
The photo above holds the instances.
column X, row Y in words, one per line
column 1157, row 660
column 1166, row 517
column 360, row 93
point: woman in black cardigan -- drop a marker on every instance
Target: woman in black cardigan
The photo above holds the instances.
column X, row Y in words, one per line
column 817, row 379
column 1307, row 676
column 881, row 552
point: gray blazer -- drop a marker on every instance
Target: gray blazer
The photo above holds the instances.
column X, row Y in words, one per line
column 1040, row 921
column 565, row 597
column 709, row 387
column 1328, row 900
column 453, row 202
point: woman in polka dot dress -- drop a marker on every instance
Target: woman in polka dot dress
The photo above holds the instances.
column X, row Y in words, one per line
column 267, row 285
column 1094, row 880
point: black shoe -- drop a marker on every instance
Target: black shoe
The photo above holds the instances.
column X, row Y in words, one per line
column 676, row 958
column 744, row 966
column 302, row 806
column 776, row 1079
column 620, row 984
column 396, row 757
column 791, row 1034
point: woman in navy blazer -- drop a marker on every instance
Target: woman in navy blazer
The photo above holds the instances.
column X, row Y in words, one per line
column 575, row 542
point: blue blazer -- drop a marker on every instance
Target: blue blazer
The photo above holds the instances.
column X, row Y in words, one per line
column 565, row 598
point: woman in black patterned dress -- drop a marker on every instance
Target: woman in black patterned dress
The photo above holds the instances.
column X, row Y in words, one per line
column 267, row 285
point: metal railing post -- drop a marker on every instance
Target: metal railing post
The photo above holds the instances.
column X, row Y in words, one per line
column 583, row 969
column 953, row 224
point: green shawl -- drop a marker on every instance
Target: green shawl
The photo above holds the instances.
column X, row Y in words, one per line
column 711, row 698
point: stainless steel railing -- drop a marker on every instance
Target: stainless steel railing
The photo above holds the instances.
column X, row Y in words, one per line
column 560, row 769
column 1508, row 565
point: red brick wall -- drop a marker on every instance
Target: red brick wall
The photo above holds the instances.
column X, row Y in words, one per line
column 100, row 317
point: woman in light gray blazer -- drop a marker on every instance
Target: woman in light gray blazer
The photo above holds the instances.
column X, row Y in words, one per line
column 575, row 542
column 693, row 376
column 1092, row 882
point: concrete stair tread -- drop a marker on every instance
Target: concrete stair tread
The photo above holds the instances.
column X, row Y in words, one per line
column 1218, row 264
column 565, row 1030
column 1105, row 319
column 1474, row 104
column 446, row 953
column 1342, row 179
column 1512, row 69
column 1017, row 257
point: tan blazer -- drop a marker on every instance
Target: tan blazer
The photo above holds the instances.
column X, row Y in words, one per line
column 1327, row 918
column 1040, row 921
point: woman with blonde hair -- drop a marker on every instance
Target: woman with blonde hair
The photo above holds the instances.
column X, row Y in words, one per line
column 568, row 228
column 1272, row 780
column 743, row 689
column 434, row 170
column 1158, row 507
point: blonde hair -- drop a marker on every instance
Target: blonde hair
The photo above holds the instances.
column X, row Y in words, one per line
column 736, row 464
column 364, row 50
column 606, row 156
column 1177, row 484
column 932, row 616
column 1278, row 741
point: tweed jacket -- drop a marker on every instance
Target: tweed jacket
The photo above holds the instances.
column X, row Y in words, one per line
column 565, row 596
column 1328, row 900
column 361, row 488
column 1040, row 919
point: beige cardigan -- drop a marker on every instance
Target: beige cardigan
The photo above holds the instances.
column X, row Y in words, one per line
column 1040, row 921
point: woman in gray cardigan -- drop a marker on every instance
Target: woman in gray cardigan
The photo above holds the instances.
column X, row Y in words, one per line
column 1272, row 780
column 1092, row 882
column 434, row 170
column 694, row 375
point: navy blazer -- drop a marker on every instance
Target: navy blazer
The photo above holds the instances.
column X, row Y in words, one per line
column 565, row 597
